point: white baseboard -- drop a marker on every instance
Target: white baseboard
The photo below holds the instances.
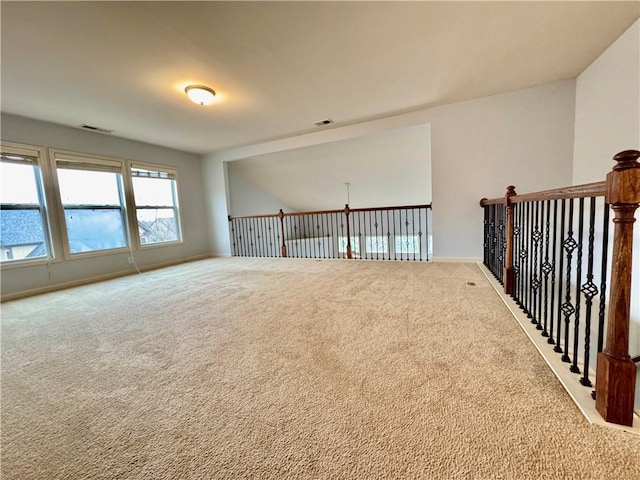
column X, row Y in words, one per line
column 97, row 278
column 456, row 259
column 580, row 395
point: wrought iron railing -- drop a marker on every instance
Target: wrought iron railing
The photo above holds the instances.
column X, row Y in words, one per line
column 551, row 252
column 382, row 233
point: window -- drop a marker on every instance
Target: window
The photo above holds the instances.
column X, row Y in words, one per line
column 24, row 229
column 407, row 244
column 91, row 195
column 376, row 244
column 355, row 245
column 156, row 200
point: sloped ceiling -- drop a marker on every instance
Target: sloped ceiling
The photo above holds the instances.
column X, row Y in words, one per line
column 279, row 66
column 393, row 168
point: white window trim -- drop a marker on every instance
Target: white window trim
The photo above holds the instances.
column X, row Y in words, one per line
column 48, row 213
column 133, row 217
column 120, row 165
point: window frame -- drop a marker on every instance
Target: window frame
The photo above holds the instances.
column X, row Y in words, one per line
column 416, row 239
column 133, row 215
column 369, row 242
column 85, row 161
column 38, row 159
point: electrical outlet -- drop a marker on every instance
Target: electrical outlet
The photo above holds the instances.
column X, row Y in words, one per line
column 130, row 260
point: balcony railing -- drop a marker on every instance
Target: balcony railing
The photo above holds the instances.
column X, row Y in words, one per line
column 382, row 233
column 551, row 252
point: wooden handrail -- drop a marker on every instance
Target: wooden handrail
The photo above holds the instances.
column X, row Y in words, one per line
column 597, row 189
column 268, row 215
column 324, row 212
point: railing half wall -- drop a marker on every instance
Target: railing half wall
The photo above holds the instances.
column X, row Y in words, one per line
column 381, row 233
column 551, row 252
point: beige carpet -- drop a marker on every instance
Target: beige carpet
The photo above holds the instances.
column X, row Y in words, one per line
column 243, row 368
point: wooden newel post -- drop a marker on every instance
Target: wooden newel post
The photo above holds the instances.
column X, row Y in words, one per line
column 346, row 213
column 508, row 274
column 615, row 372
column 283, row 247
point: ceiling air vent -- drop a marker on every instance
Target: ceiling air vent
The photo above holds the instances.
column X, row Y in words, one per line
column 322, row 123
column 95, row 129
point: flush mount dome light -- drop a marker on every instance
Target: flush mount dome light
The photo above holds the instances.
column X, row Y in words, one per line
column 200, row 94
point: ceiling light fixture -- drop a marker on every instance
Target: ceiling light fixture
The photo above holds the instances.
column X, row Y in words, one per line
column 200, row 94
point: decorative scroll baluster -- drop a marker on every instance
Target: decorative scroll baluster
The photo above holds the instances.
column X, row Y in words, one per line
column 567, row 308
column 589, row 290
column 526, row 291
column 546, row 270
column 523, row 256
column 517, row 228
column 603, row 276
column 576, row 341
column 558, row 347
column 535, row 282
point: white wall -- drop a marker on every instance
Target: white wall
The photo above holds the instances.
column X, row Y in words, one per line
column 217, row 205
column 246, row 198
column 314, row 177
column 192, row 202
column 479, row 147
column 608, row 121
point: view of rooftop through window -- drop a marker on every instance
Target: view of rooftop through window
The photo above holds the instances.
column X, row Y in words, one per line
column 22, row 223
column 156, row 206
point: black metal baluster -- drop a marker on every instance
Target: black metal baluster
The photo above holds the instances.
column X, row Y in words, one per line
column 485, row 246
column 389, row 238
column 530, row 263
column 395, row 221
column 327, row 230
column 313, row 222
column 261, row 236
column 516, row 253
column 267, row 235
column 523, row 257
column 576, row 340
column 241, row 236
column 342, row 220
column 233, row 237
column 379, row 239
column 589, row 290
column 546, row 269
column 413, row 232
column 334, row 232
column 247, row 237
column 567, row 308
column 294, row 236
column 420, row 230
column 255, row 237
column 550, row 340
column 274, row 230
column 300, row 236
column 541, row 206
column 494, row 238
column 603, row 275
column 308, row 233
column 535, row 281
column 558, row 347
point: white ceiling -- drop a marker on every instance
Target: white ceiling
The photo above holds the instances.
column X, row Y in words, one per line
column 277, row 67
